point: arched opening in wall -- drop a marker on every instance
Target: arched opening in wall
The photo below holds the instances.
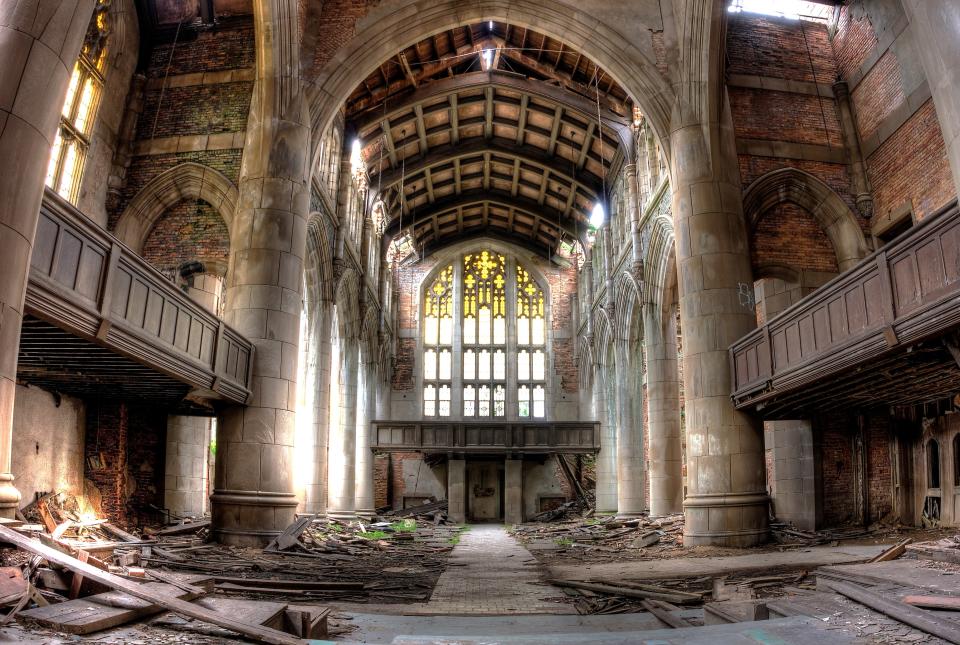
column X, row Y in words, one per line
column 190, row 243
column 933, row 463
column 791, row 256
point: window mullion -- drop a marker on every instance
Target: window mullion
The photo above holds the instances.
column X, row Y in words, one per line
column 456, row 380
column 512, row 402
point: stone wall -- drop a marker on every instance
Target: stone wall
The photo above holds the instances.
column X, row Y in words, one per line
column 48, row 437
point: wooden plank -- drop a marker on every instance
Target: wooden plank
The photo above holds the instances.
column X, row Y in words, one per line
column 948, row 630
column 181, row 529
column 893, row 552
column 288, row 584
column 665, row 616
column 621, row 591
column 101, row 611
column 949, row 603
column 291, row 534
column 143, row 592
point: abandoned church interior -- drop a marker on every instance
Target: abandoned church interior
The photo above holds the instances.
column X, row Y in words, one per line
column 500, row 321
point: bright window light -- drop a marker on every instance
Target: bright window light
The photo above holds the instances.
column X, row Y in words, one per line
column 784, row 8
column 487, row 58
column 491, row 25
column 598, row 216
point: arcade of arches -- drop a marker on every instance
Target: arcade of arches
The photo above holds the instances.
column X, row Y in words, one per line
column 689, row 258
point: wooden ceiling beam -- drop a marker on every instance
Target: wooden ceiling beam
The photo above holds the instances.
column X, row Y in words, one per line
column 587, row 144
column 522, row 119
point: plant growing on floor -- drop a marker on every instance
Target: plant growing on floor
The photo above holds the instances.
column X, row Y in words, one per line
column 564, row 542
column 405, row 526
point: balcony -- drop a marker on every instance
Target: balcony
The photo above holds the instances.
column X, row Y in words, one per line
column 99, row 318
column 883, row 333
column 477, row 438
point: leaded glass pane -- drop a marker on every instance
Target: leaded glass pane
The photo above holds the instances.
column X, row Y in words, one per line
column 483, row 337
column 523, row 365
column 483, row 400
column 469, row 331
column 499, row 401
column 430, row 327
column 446, row 331
column 500, row 331
column 444, row 407
column 536, row 331
column 538, row 366
column 445, row 359
column 483, row 365
column 538, row 401
column 499, row 365
column 523, row 397
column 523, row 331
column 469, row 365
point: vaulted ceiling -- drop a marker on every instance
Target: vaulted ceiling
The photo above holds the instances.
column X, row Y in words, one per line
column 520, row 147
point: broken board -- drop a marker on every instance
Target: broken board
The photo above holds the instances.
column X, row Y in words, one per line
column 101, row 611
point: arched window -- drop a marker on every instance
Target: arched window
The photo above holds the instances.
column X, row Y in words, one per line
column 933, row 464
column 496, row 365
column 80, row 108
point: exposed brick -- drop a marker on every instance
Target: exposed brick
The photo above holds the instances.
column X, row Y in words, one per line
column 854, row 39
column 788, row 235
column 878, row 95
column 191, row 230
column 912, row 165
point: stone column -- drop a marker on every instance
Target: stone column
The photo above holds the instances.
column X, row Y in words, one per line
column 795, row 497
column 663, row 403
column 366, row 410
column 342, row 452
column 254, row 497
column 513, row 495
column 630, row 466
column 606, row 493
column 936, row 35
column 457, row 490
column 185, row 474
column 726, row 501
column 859, row 182
column 39, row 44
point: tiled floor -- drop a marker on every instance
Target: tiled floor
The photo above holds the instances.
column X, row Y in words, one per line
column 490, row 574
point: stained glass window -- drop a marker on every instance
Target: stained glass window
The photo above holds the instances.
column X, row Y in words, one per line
column 485, row 333
column 80, row 108
column 531, row 346
column 496, row 365
column 438, row 345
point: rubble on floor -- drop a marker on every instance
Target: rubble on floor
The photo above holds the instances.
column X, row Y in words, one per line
column 71, row 572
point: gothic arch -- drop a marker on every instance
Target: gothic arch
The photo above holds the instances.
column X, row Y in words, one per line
column 395, row 25
column 348, row 305
column 659, row 264
column 790, row 185
column 189, row 180
column 628, row 294
column 318, row 265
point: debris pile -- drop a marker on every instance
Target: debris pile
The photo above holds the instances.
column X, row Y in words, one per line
column 607, row 534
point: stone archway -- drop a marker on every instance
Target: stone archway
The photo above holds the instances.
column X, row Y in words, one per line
column 629, row 57
column 187, row 181
column 790, row 185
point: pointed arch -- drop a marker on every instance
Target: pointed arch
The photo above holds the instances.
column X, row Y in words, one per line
column 347, row 305
column 188, row 180
column 318, row 268
column 790, row 185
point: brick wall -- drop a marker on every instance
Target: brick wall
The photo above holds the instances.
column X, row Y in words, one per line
column 912, row 166
column 124, row 454
column 195, row 109
column 836, row 446
column 778, row 51
column 789, row 235
column 905, row 157
column 879, row 467
column 189, row 231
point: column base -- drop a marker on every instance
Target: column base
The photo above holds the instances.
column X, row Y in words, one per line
column 727, row 519
column 366, row 513
column 9, row 496
column 250, row 518
column 630, row 515
column 342, row 516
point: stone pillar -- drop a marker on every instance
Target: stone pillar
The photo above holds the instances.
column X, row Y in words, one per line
column 513, row 495
column 342, row 452
column 726, row 501
column 663, row 404
column 318, row 395
column 630, row 466
column 457, row 490
column 859, row 182
column 795, row 497
column 366, row 410
column 185, row 475
column 606, row 493
column 254, row 498
column 39, row 44
column 936, row 34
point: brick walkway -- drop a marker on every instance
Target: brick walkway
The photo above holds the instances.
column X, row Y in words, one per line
column 489, row 573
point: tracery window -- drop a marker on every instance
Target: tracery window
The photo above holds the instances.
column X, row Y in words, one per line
column 80, row 108
column 496, row 364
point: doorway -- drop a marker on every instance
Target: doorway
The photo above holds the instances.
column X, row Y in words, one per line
column 485, row 487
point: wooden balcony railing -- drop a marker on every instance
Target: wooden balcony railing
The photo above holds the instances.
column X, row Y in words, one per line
column 906, row 292
column 87, row 283
column 474, row 437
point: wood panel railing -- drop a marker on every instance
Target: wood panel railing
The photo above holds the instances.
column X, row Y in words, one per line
column 83, row 280
column 904, row 293
column 487, row 437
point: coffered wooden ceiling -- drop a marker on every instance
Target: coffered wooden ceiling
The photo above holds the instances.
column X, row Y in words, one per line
column 522, row 150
